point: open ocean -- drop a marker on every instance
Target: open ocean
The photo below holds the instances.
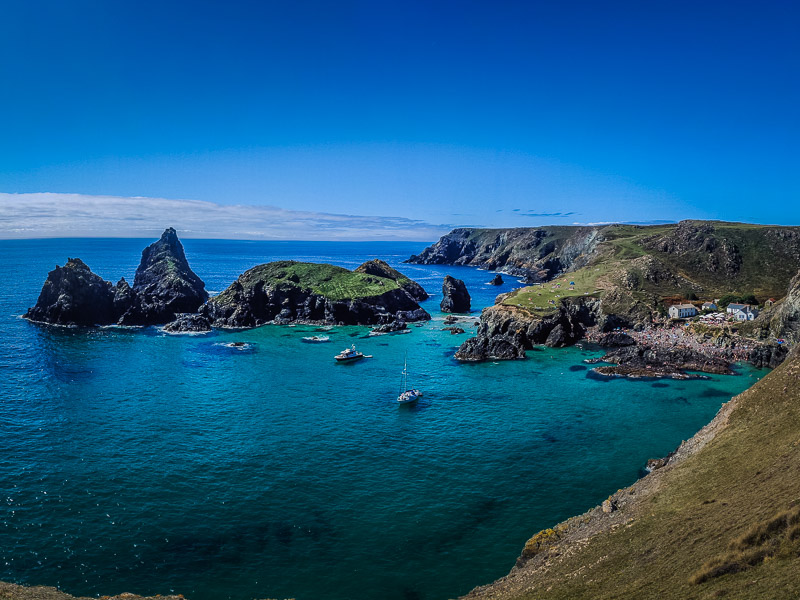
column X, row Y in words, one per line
column 136, row 461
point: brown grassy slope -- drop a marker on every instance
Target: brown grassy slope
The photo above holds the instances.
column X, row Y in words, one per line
column 735, row 477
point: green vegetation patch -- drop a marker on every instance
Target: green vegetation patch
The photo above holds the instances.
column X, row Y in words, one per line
column 330, row 281
column 547, row 297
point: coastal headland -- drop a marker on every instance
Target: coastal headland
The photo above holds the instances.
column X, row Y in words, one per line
column 585, row 282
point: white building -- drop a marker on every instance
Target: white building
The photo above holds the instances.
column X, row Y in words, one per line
column 682, row 311
column 709, row 306
column 742, row 312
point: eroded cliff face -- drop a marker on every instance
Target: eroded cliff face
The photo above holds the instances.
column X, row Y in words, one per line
column 534, row 253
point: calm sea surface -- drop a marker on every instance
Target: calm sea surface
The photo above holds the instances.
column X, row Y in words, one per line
column 136, row 461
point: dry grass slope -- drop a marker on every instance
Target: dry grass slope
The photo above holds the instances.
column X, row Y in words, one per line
column 724, row 521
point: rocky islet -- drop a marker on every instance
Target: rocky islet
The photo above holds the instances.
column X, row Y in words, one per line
column 167, row 292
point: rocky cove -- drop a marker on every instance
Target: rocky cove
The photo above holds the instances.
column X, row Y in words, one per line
column 567, row 326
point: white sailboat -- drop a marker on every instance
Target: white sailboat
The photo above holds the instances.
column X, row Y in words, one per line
column 407, row 396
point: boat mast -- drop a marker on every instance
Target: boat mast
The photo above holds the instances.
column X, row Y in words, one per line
column 404, row 378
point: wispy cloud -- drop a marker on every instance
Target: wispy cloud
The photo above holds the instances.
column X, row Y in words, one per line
column 76, row 215
column 555, row 214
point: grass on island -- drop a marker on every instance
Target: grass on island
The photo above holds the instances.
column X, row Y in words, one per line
column 724, row 523
column 546, row 298
column 330, row 281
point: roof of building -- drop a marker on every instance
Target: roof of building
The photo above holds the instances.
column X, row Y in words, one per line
column 745, row 308
column 738, row 306
column 684, row 306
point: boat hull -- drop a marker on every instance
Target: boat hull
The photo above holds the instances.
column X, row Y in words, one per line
column 409, row 397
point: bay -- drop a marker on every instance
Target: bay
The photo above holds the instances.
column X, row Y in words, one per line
column 136, row 461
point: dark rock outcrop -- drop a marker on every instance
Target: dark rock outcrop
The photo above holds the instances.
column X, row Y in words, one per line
column 164, row 285
column 496, row 280
column 662, row 362
column 74, row 295
column 380, row 268
column 506, row 332
column 288, row 291
column 614, row 339
column 455, row 297
column 188, row 323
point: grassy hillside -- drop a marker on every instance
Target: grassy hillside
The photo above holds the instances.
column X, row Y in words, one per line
column 723, row 522
column 332, row 282
column 646, row 264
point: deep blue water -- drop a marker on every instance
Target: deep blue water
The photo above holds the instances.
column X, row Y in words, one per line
column 136, row 461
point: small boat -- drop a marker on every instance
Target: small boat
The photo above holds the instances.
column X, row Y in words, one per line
column 349, row 354
column 407, row 396
column 316, row 339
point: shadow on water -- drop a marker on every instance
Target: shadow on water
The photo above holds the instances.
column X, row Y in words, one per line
column 409, row 593
column 276, row 539
column 659, row 384
column 576, row 368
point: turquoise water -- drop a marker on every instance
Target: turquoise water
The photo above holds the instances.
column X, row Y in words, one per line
column 136, row 461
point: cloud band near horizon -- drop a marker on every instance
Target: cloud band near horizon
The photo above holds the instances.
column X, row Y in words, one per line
column 47, row 215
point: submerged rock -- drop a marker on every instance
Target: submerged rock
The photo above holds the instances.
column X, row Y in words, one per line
column 164, row 285
column 74, row 295
column 455, row 298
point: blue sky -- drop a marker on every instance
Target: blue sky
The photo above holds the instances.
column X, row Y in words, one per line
column 409, row 117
